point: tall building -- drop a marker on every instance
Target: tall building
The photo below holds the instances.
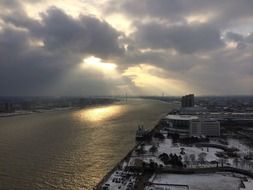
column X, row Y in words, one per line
column 187, row 101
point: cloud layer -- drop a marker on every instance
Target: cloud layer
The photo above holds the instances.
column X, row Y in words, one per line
column 186, row 46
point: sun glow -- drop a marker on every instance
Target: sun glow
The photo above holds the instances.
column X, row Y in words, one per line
column 147, row 77
column 97, row 63
column 231, row 45
column 120, row 22
column 198, row 18
column 100, row 113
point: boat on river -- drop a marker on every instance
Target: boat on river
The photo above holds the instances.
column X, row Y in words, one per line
column 141, row 133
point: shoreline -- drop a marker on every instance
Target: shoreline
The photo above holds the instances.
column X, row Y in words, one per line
column 121, row 162
column 56, row 109
column 145, row 172
column 21, row 113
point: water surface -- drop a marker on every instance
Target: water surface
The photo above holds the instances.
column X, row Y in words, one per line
column 70, row 149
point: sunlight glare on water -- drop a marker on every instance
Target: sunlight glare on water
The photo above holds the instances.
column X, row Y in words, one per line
column 99, row 114
column 70, row 149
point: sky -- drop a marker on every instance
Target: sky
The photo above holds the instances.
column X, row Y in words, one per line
column 112, row 47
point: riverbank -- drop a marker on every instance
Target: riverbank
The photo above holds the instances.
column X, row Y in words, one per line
column 24, row 112
column 71, row 149
column 122, row 162
column 160, row 155
column 55, row 109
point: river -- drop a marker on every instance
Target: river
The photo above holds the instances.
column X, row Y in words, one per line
column 70, row 149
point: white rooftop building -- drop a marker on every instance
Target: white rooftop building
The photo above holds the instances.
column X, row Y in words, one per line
column 181, row 117
column 192, row 125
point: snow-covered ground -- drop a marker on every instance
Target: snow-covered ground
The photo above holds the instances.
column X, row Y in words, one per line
column 224, row 181
column 195, row 182
column 167, row 147
column 189, row 160
column 210, row 152
column 248, row 184
column 244, row 149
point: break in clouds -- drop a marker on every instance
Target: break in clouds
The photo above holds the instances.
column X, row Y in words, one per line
column 147, row 47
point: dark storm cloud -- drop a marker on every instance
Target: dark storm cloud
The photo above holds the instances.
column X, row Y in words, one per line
column 221, row 72
column 234, row 37
column 87, row 34
column 224, row 73
column 242, row 40
column 213, row 56
column 25, row 69
column 14, row 5
column 10, row 3
column 204, row 59
column 29, row 69
column 239, row 37
column 249, row 38
column 60, row 31
column 187, row 38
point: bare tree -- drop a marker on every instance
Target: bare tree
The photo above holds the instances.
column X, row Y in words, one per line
column 192, row 158
column 153, row 149
column 182, row 151
column 202, row 158
column 187, row 159
column 140, row 150
column 222, row 161
column 251, row 165
column 243, row 163
column 236, row 161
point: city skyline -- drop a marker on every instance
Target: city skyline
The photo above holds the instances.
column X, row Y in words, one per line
column 84, row 47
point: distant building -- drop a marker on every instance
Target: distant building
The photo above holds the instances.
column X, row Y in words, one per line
column 6, row 108
column 196, row 110
column 187, row 101
column 189, row 125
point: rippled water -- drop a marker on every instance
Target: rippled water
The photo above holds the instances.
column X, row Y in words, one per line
column 70, row 149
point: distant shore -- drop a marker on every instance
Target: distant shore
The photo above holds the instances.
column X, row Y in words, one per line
column 24, row 112
column 28, row 112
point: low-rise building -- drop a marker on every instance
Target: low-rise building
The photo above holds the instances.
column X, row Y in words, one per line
column 6, row 108
column 192, row 125
column 179, row 123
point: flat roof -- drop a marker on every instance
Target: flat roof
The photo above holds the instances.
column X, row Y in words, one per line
column 182, row 117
